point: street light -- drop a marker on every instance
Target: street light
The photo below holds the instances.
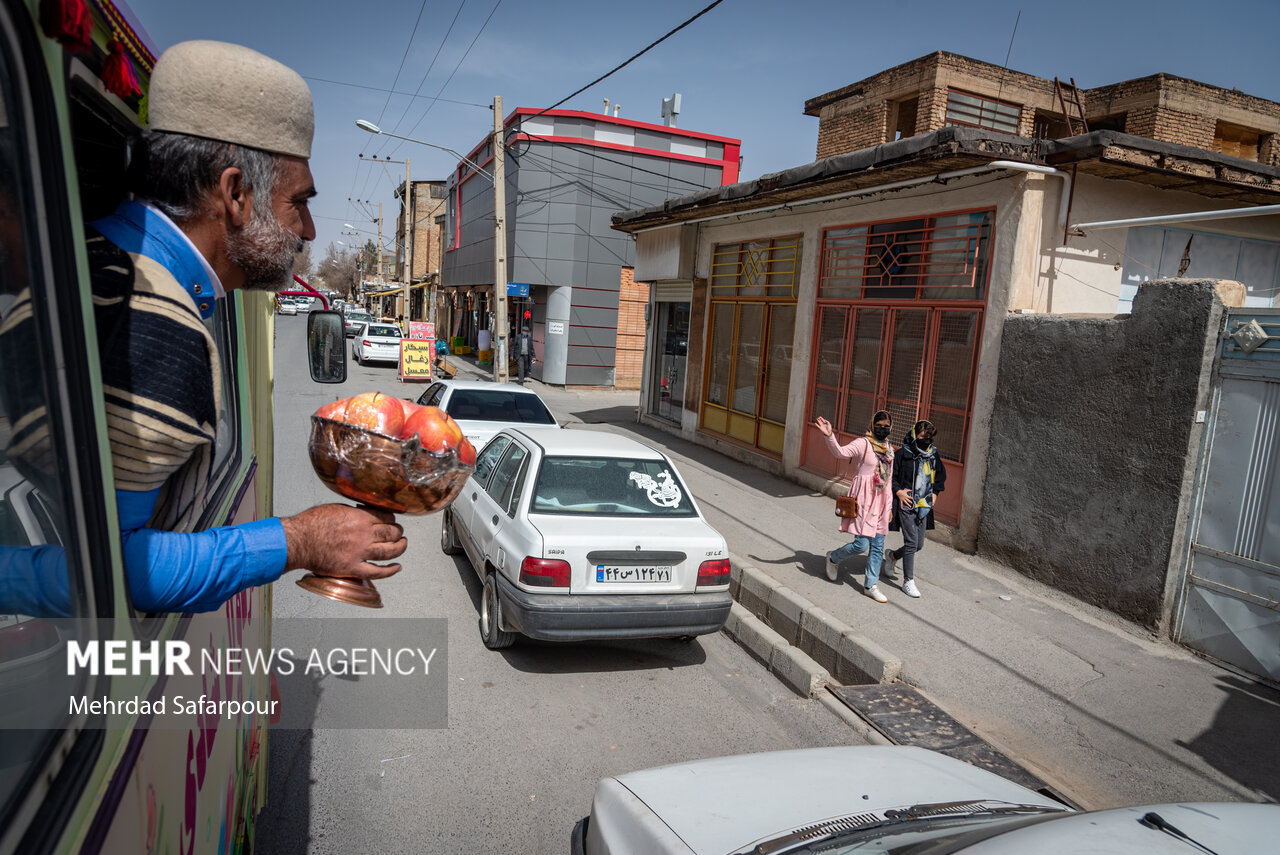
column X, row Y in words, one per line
column 498, row 180
column 366, row 125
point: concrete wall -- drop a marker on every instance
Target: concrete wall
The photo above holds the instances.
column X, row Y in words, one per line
column 1093, row 444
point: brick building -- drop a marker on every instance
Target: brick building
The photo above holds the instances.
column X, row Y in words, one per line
column 428, row 203
column 947, row 90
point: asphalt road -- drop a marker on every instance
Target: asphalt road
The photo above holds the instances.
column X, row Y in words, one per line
column 531, row 729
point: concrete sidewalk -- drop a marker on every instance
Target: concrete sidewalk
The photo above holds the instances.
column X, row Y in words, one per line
column 1093, row 705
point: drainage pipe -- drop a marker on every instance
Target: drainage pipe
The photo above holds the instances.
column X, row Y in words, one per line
column 1190, row 217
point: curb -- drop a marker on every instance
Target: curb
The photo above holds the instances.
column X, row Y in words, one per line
column 795, row 624
column 787, row 663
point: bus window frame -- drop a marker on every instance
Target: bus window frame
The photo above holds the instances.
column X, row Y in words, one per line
column 60, row 771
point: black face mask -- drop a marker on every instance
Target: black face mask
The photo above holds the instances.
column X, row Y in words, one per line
column 880, row 432
column 923, row 444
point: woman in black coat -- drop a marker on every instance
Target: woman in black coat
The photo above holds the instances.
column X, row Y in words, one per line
column 918, row 476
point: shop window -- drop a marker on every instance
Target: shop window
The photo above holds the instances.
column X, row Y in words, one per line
column 968, row 110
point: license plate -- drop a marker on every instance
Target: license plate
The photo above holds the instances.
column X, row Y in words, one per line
column 608, row 573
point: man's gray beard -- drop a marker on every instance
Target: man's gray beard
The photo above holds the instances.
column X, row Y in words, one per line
column 265, row 251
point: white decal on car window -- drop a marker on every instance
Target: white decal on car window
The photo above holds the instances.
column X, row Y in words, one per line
column 662, row 492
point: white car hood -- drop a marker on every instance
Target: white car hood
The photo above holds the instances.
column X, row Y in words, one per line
column 1226, row 828
column 719, row 806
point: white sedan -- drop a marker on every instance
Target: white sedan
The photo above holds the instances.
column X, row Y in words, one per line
column 482, row 408
column 379, row 342
column 885, row 800
column 580, row 535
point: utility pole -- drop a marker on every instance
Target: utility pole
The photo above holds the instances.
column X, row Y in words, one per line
column 408, row 242
column 499, row 245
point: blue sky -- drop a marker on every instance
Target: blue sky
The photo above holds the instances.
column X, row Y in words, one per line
column 744, row 70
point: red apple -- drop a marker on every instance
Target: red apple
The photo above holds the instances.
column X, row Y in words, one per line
column 376, row 412
column 334, row 410
column 467, row 453
column 409, row 408
column 435, row 429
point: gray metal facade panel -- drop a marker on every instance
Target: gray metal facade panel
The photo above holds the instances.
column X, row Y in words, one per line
column 583, row 376
column 604, row 276
column 522, row 268
column 613, row 252
column 653, row 140
column 597, row 335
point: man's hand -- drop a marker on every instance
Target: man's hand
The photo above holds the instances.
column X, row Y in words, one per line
column 341, row 540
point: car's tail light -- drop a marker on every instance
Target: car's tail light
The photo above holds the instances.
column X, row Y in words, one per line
column 544, row 572
column 715, row 572
column 366, row 343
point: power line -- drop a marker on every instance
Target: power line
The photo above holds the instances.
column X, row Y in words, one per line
column 633, row 58
column 407, row 47
column 392, row 91
column 452, row 73
column 430, row 67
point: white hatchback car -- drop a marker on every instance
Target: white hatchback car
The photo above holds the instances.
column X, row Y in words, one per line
column 482, row 408
column 874, row 799
column 380, row 342
column 581, row 535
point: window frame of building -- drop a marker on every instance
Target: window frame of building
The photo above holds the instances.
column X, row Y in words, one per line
column 909, row 258
column 753, row 283
column 971, row 110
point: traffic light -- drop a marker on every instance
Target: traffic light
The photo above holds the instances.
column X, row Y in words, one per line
column 527, row 314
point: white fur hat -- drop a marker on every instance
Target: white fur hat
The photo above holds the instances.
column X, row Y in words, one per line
column 233, row 94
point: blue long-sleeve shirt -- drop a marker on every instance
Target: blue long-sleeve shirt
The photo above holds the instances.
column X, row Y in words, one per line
column 167, row 571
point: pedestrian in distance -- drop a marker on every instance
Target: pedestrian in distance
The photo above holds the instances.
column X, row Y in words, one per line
column 919, row 475
column 869, row 484
column 524, row 354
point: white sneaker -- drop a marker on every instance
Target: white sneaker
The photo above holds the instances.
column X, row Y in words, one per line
column 890, row 565
column 875, row 593
column 909, row 588
column 833, row 569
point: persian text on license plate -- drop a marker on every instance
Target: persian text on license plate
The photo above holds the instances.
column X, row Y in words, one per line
column 607, row 573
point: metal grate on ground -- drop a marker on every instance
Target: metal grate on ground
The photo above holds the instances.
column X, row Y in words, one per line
column 906, row 717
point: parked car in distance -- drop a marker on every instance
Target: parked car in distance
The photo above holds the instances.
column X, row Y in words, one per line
column 353, row 320
column 285, row 306
column 380, row 342
column 482, row 408
column 580, row 535
column 886, row 799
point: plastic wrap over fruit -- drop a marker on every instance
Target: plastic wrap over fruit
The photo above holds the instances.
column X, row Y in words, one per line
column 397, row 475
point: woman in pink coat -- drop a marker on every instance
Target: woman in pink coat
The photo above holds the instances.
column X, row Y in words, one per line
column 872, row 476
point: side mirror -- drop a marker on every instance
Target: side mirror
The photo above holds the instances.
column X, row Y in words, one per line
column 326, row 347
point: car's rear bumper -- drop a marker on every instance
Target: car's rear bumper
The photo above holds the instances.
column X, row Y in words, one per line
column 587, row 617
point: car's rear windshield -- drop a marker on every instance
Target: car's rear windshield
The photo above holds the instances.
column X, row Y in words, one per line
column 609, row 486
column 385, row 330
column 359, row 316
column 498, row 405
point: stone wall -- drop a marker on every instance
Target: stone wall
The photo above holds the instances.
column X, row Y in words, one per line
column 1094, row 442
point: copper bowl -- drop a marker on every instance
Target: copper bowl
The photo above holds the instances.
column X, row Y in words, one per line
column 393, row 474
